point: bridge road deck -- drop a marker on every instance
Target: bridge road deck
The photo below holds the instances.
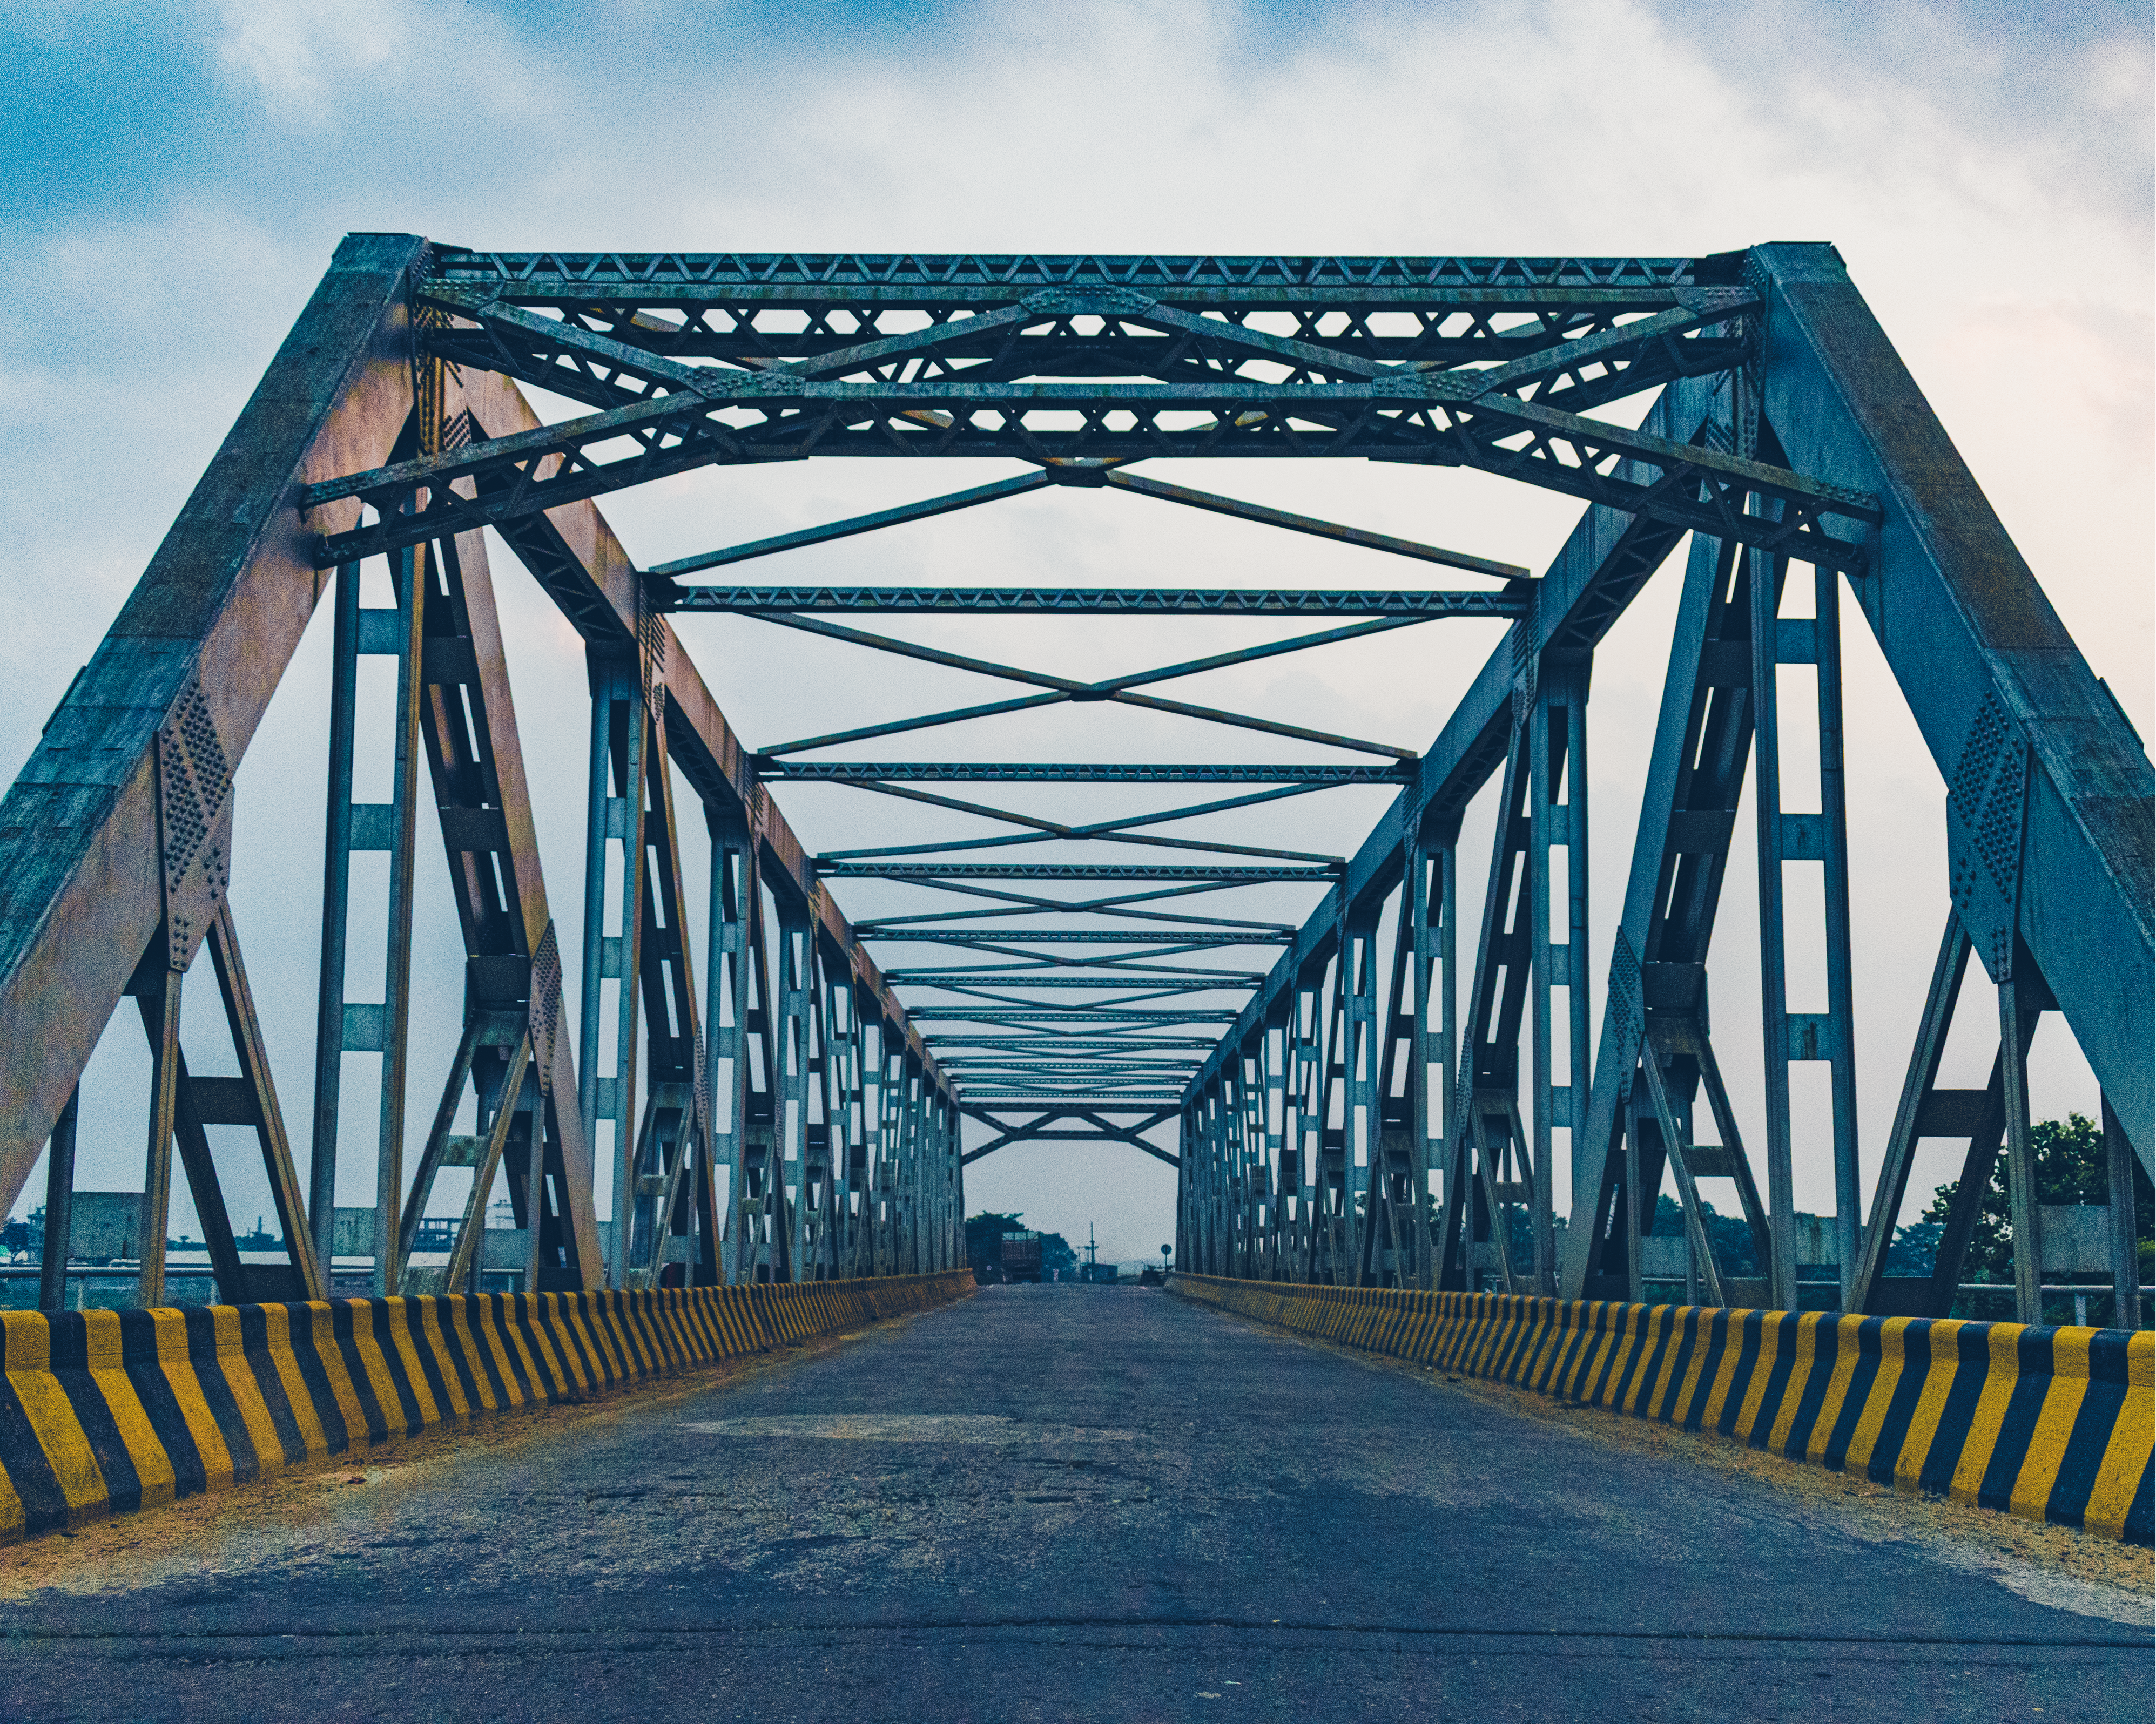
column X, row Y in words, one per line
column 1051, row 1503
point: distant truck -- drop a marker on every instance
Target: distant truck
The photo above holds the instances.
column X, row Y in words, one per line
column 1022, row 1257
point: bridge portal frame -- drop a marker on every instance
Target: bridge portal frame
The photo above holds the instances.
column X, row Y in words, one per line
column 1785, row 430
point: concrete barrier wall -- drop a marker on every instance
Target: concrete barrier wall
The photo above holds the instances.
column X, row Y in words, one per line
column 2053, row 1425
column 104, row 1411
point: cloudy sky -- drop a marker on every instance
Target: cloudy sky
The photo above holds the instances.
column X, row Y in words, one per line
column 176, row 176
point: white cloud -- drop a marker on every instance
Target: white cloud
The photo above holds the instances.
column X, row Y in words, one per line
column 293, row 52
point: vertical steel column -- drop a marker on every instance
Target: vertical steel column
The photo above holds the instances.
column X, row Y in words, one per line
column 725, row 987
column 344, row 1027
column 2119, row 1166
column 336, row 882
column 1557, row 754
column 1823, row 838
column 912, row 1154
column 929, row 1173
column 1449, row 1033
column 59, row 1206
column 1309, row 1121
column 954, row 1228
column 1416, row 931
column 415, row 576
column 1278, row 1039
column 1361, row 1161
column 796, row 953
column 951, row 1185
column 613, row 815
column 891, row 1070
column 159, row 1000
column 2021, row 1155
column 1187, row 1162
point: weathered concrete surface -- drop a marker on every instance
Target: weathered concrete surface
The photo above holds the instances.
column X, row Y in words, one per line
column 1050, row 1503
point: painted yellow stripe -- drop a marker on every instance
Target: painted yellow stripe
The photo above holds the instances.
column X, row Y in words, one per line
column 170, row 1330
column 1847, row 1334
column 505, row 1334
column 1763, row 1373
column 376, row 1368
column 445, row 1355
column 1702, row 1344
column 1943, row 1365
column 1893, row 1338
column 331, row 1356
column 400, row 1316
column 246, row 1392
column 152, row 1465
column 2126, row 1456
column 1999, row 1383
column 2055, row 1424
column 1725, row 1374
column 277, row 1335
column 1800, row 1377
column 53, row 1418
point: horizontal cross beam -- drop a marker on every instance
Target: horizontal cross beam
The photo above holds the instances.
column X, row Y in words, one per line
column 988, row 771
column 1066, row 1015
column 1155, row 980
column 1076, row 937
column 932, row 278
column 931, row 871
column 1119, row 600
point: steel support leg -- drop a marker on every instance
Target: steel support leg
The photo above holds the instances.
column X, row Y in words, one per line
column 349, row 1027
column 613, row 828
column 2020, row 1157
column 1808, row 837
column 59, row 1206
column 2120, row 1168
column 1557, row 754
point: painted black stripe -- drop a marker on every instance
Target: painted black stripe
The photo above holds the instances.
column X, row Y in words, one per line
column 161, row 1403
column 123, row 1485
column 314, row 1378
column 470, row 1372
column 545, row 1361
column 481, row 1319
column 269, row 1382
column 375, row 1315
column 2023, row 1407
column 344, row 1315
column 1710, row 1368
column 1740, row 1381
column 1826, row 1354
column 1917, row 1369
column 22, row 1458
column 493, row 1315
column 217, row 1394
column 1685, row 1338
column 430, row 1367
column 2094, row 1421
column 1778, row 1382
column 565, row 1329
column 1861, row 1377
column 1971, row 1365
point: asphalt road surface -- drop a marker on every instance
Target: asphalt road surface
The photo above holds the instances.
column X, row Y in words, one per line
column 1046, row 1503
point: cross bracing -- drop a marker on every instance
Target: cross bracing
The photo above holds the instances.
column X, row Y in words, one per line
column 1365, row 1096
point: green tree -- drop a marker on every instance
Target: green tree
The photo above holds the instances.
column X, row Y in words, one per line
column 1056, row 1254
column 2070, row 1169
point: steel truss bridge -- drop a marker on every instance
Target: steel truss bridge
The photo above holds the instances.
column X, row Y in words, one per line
column 1339, row 1114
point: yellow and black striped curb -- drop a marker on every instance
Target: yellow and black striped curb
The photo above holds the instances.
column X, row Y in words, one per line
column 2049, row 1424
column 102, row 1411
